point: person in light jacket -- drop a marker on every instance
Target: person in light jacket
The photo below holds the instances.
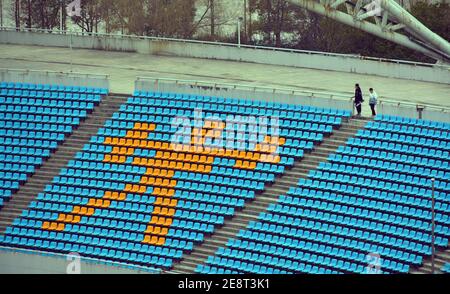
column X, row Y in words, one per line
column 373, row 100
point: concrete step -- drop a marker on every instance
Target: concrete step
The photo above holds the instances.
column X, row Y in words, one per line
column 442, row 256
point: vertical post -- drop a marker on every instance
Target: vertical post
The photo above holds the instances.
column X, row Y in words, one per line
column 239, row 32
column 1, row 13
column 245, row 20
column 19, row 8
column 71, row 52
column 61, row 16
column 213, row 19
column 432, row 226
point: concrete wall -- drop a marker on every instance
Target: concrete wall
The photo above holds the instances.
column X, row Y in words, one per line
column 48, row 77
column 408, row 110
column 19, row 261
column 318, row 99
column 196, row 49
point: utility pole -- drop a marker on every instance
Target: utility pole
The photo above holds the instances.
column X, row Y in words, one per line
column 18, row 8
column 245, row 20
column 29, row 25
column 239, row 31
column 213, row 19
column 432, row 226
column 1, row 13
column 250, row 29
column 61, row 28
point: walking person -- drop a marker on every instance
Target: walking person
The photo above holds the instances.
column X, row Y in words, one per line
column 373, row 101
column 358, row 99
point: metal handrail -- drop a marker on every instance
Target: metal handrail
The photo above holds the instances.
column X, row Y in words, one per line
column 288, row 91
column 354, row 56
column 410, row 104
column 311, row 93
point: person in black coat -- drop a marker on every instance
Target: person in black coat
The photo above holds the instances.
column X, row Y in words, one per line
column 358, row 99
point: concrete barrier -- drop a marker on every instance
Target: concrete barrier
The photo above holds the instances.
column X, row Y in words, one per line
column 317, row 99
column 412, row 111
column 22, row 261
column 225, row 51
column 51, row 77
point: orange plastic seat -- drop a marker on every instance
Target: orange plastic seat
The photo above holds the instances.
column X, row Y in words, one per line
column 146, row 239
column 142, row 189
column 98, row 202
column 128, row 188
column 76, row 219
column 122, row 196
column 157, row 191
column 83, row 210
column 179, row 165
column 106, row 203
column 157, row 210
column 90, row 211
column 160, row 241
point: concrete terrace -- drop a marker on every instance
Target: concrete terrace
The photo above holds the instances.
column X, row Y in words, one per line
column 123, row 68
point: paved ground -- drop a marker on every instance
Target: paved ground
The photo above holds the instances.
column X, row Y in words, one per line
column 123, row 68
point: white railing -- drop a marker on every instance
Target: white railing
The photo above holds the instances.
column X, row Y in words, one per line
column 414, row 110
column 390, row 101
column 340, row 100
column 250, row 92
column 268, row 48
column 345, row 96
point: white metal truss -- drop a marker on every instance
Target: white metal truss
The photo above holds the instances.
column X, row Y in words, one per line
column 386, row 19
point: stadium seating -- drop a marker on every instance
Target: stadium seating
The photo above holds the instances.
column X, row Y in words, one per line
column 368, row 208
column 34, row 120
column 446, row 268
column 136, row 194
